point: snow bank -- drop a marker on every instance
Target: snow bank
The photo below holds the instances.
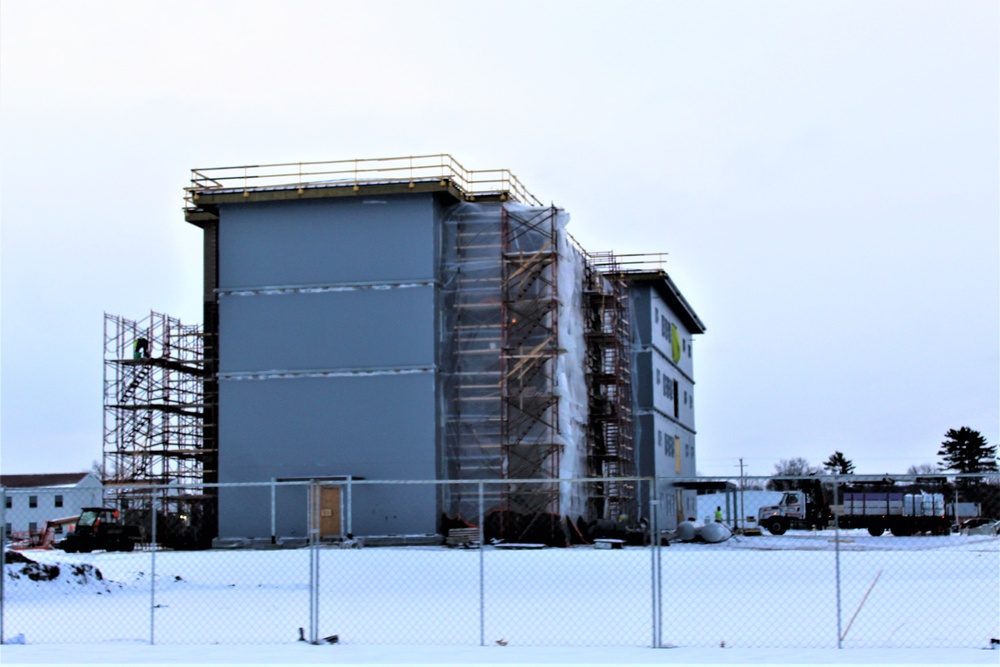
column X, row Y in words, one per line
column 27, row 578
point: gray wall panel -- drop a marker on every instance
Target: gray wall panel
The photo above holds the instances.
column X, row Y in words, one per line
column 380, row 427
column 642, row 373
column 639, row 295
column 645, row 459
column 327, row 241
column 375, row 426
column 353, row 329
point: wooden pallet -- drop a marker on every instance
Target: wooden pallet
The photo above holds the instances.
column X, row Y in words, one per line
column 467, row 538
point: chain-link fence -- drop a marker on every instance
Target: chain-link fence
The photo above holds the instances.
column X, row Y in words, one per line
column 751, row 562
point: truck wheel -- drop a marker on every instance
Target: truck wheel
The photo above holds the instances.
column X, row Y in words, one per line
column 875, row 531
column 128, row 545
column 775, row 526
column 901, row 531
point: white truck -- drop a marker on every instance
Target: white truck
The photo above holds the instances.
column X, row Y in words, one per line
column 903, row 510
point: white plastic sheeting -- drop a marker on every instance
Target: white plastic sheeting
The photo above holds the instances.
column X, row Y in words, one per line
column 471, row 311
column 570, row 373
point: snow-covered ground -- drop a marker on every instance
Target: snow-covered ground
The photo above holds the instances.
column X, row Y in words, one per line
column 751, row 600
column 304, row 654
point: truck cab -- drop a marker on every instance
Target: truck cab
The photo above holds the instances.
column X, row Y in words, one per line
column 798, row 508
column 776, row 519
column 793, row 505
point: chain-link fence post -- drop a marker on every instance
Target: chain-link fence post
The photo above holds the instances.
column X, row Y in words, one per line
column 3, row 556
column 349, row 528
column 657, row 591
column 274, row 514
column 482, row 570
column 152, row 571
column 836, row 551
column 313, row 518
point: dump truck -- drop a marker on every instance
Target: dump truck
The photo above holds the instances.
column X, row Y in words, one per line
column 99, row 528
column 902, row 510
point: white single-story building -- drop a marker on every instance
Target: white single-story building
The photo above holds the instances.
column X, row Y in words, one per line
column 31, row 500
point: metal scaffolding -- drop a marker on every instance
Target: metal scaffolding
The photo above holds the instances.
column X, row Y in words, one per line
column 471, row 356
column 529, row 350
column 610, row 447
column 154, row 404
column 500, row 348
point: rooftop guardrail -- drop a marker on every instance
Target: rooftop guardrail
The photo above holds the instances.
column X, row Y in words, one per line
column 356, row 174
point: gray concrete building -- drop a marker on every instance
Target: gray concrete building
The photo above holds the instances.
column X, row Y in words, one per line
column 413, row 320
column 664, row 326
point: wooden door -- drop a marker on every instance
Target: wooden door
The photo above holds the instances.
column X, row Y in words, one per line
column 325, row 504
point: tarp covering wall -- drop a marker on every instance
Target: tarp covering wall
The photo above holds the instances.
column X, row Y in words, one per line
column 573, row 403
column 472, row 312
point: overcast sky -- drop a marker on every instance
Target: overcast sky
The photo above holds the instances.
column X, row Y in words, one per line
column 823, row 175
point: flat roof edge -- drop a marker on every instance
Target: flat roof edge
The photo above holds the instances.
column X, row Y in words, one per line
column 670, row 293
column 204, row 206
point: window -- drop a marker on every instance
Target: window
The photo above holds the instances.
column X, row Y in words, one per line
column 9, row 502
column 59, row 501
column 684, row 344
column 32, row 501
column 657, row 376
column 6, row 529
column 677, row 396
column 58, row 529
column 33, row 527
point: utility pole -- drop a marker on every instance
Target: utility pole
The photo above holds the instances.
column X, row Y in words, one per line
column 743, row 516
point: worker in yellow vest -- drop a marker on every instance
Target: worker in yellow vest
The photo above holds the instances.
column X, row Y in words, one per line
column 718, row 514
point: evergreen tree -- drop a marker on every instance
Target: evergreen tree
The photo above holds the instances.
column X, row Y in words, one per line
column 838, row 464
column 966, row 451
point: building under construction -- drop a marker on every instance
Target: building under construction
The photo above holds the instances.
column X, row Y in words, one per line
column 404, row 319
column 158, row 420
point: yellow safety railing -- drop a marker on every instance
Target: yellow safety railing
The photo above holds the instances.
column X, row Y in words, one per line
column 356, row 173
column 624, row 262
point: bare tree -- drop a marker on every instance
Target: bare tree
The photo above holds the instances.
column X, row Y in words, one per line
column 794, row 467
column 797, row 467
column 922, row 469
